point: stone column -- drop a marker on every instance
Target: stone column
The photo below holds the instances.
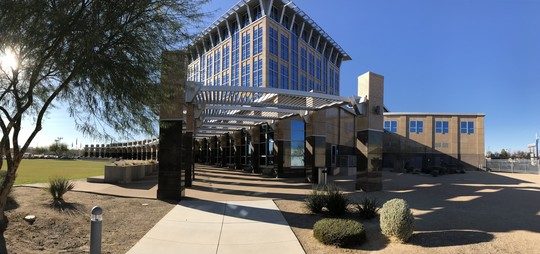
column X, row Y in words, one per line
column 315, row 151
column 369, row 133
column 171, row 177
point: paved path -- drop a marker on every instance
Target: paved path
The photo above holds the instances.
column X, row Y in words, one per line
column 202, row 226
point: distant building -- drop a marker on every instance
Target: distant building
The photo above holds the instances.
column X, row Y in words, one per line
column 433, row 139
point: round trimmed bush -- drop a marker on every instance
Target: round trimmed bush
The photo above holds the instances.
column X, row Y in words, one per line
column 339, row 232
column 397, row 220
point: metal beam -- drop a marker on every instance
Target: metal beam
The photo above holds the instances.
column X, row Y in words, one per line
column 252, row 108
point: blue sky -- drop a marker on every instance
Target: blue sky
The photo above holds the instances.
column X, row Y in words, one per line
column 465, row 56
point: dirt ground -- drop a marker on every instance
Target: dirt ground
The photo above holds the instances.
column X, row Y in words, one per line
column 125, row 221
column 477, row 212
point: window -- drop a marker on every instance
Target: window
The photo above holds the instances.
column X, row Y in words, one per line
column 441, row 127
column 245, row 20
column 257, row 40
column 298, row 142
column 245, row 74
column 333, row 156
column 217, row 61
column 274, row 14
column 257, row 72
column 390, row 126
column 294, row 78
column 311, row 85
column 311, row 64
column 273, row 41
column 257, row 12
column 318, row 69
column 284, row 81
column 272, row 73
column 285, row 21
column 246, row 41
column 416, row 126
column 235, row 54
column 467, row 127
column 266, row 145
column 225, row 78
column 303, row 83
column 209, row 61
column 284, row 47
column 226, row 57
column 303, row 59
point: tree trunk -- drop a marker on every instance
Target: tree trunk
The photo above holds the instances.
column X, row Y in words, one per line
column 7, row 184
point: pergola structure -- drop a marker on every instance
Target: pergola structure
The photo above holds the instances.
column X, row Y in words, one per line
column 222, row 109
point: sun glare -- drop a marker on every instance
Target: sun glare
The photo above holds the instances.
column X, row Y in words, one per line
column 8, row 60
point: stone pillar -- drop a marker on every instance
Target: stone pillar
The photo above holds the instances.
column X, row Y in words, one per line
column 369, row 133
column 315, row 151
column 171, row 177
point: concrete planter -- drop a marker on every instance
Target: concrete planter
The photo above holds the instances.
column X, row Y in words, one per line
column 126, row 174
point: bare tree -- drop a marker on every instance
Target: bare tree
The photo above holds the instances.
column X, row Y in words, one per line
column 100, row 59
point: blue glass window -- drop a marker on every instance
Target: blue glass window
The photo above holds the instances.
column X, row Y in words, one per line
column 246, row 42
column 235, row 56
column 318, row 69
column 311, row 64
column 284, row 81
column 257, row 12
column 416, row 126
column 284, row 47
column 303, row 82
column 390, row 126
column 467, row 127
column 273, row 73
column 226, row 58
column 311, row 85
column 257, row 40
column 441, row 127
column 303, row 59
column 225, row 78
column 294, row 78
column 298, row 142
column 245, row 74
column 273, row 41
column 257, row 72
column 217, row 61
column 210, row 64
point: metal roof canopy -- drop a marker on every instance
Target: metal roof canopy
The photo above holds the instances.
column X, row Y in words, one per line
column 223, row 109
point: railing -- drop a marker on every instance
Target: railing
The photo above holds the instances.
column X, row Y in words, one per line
column 513, row 166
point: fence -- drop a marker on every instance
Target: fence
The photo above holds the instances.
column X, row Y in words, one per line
column 518, row 166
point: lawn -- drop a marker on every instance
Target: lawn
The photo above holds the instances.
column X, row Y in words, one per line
column 41, row 170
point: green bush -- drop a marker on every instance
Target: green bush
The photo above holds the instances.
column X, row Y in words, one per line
column 316, row 200
column 368, row 207
column 59, row 186
column 397, row 220
column 336, row 201
column 339, row 232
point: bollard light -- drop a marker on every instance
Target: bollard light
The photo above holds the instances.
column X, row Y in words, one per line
column 95, row 230
column 96, row 214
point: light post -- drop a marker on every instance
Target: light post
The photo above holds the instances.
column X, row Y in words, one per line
column 95, row 230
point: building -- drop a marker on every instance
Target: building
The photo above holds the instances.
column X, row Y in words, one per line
column 433, row 139
column 259, row 91
column 267, row 44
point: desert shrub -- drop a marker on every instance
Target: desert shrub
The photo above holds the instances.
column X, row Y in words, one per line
column 336, row 201
column 368, row 207
column 316, row 200
column 397, row 220
column 59, row 186
column 339, row 232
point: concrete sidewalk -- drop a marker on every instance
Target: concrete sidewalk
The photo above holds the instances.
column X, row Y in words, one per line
column 201, row 226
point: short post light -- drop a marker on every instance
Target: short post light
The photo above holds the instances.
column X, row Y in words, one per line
column 95, row 230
